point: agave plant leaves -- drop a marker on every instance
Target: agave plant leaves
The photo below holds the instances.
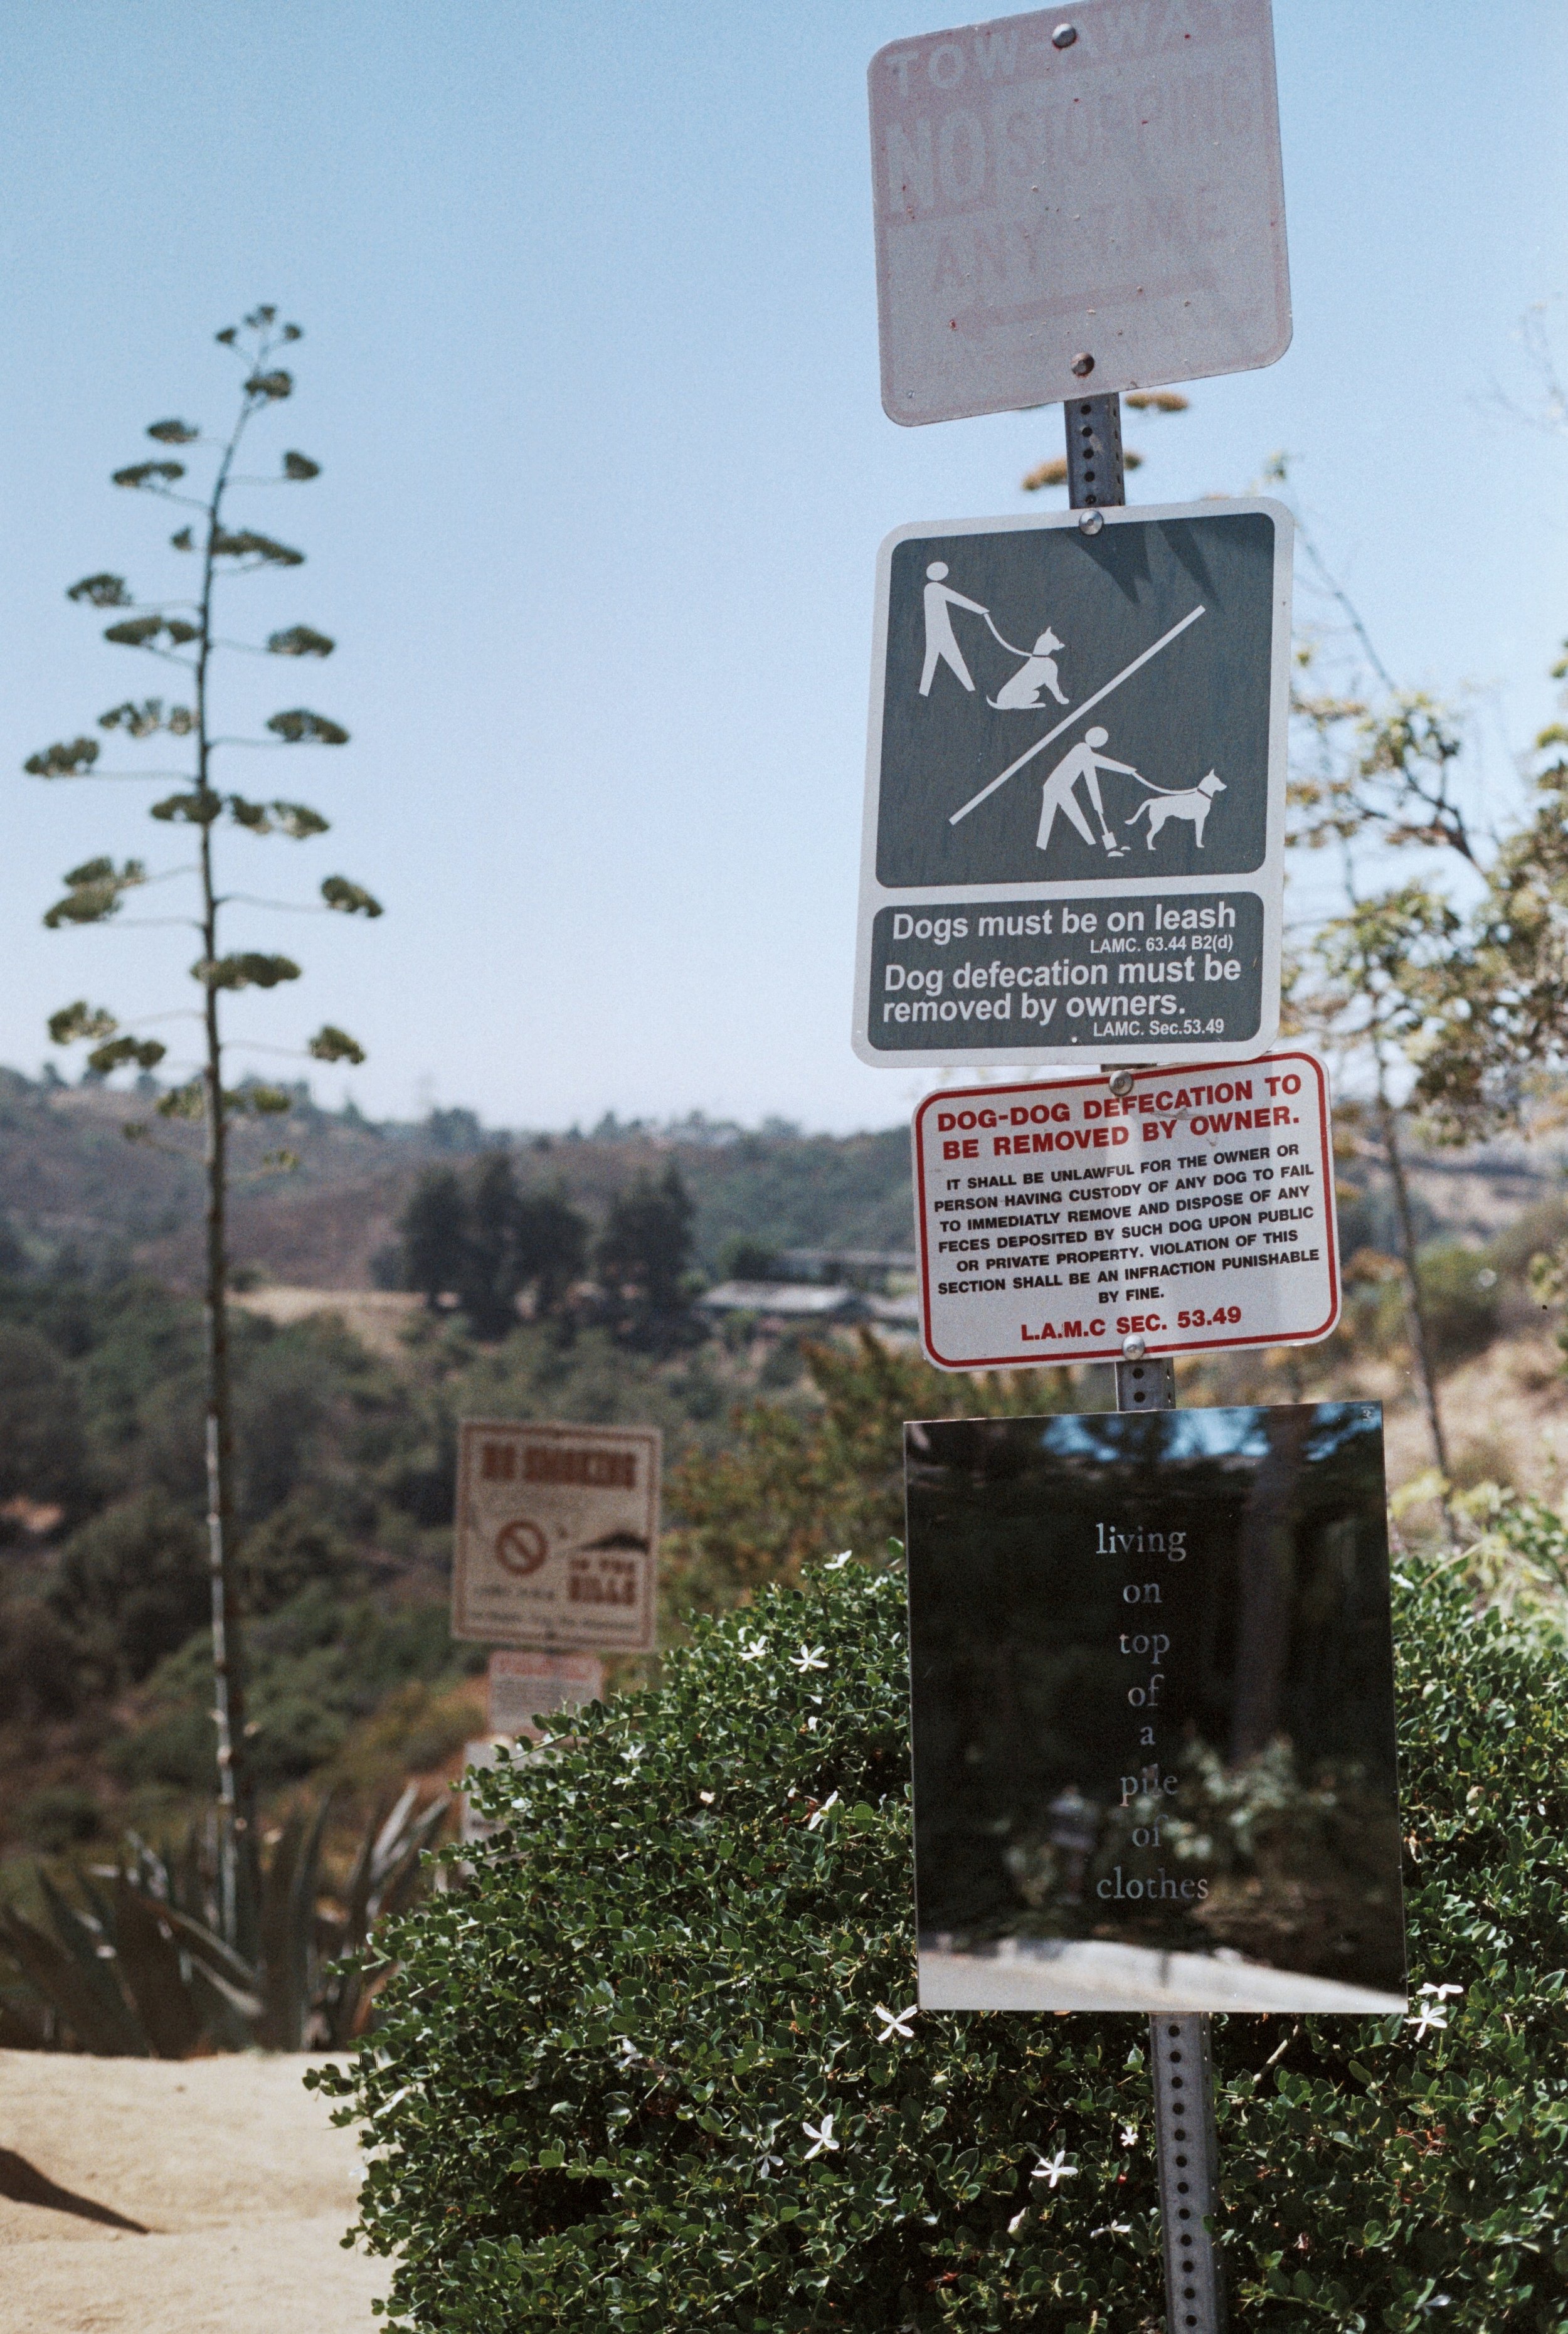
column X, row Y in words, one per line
column 140, row 1971
column 386, row 1876
column 288, row 1912
column 155, row 1973
column 70, row 1970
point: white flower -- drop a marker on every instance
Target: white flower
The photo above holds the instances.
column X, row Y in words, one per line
column 898, row 2022
column 707, row 1799
column 631, row 2055
column 1442, row 1991
column 1017, row 2221
column 1112, row 2229
column 769, row 2163
column 1433, row 2016
column 812, row 1821
column 837, row 1563
column 1057, row 2169
column 1129, row 2135
column 638, row 1750
column 823, row 2137
column 810, row 1657
column 755, row 1651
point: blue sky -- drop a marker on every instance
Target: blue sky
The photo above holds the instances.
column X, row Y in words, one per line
column 590, row 366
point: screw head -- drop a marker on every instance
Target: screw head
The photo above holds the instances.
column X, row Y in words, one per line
column 1082, row 365
column 1092, row 522
column 1120, row 1082
column 1063, row 36
column 1133, row 1349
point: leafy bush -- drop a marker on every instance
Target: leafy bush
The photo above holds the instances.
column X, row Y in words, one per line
column 793, row 1478
column 638, row 2074
column 61, row 1816
column 131, row 1585
column 318, row 1664
column 1460, row 1300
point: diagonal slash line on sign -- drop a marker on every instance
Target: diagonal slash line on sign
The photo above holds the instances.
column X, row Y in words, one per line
column 1076, row 714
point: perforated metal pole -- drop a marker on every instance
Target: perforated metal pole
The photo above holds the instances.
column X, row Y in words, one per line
column 1183, row 2073
column 1095, row 473
column 1180, row 2064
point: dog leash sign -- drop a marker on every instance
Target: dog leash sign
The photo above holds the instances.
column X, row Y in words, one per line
column 1075, row 817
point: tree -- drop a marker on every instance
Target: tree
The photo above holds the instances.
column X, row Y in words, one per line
column 182, row 633
column 645, row 1247
column 1495, row 1044
column 492, row 1276
column 490, row 1242
column 1373, row 973
column 434, row 1226
column 42, row 1460
column 552, row 1248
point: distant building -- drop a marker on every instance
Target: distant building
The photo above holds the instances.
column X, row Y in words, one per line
column 861, row 1267
column 786, row 1304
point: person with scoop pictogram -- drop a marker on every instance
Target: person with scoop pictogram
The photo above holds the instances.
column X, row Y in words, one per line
column 1083, row 763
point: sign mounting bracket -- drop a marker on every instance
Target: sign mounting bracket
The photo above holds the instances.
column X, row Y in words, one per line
column 1096, row 472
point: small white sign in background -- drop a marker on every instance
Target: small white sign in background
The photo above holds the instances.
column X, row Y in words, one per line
column 523, row 1686
column 1194, row 1210
column 557, row 1536
column 1112, row 196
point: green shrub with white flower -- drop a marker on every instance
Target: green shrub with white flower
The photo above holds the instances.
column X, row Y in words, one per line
column 653, row 2064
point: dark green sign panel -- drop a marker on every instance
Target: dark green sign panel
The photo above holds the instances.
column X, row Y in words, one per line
column 1075, row 787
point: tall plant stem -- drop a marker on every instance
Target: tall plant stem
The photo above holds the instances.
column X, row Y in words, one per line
column 238, row 1859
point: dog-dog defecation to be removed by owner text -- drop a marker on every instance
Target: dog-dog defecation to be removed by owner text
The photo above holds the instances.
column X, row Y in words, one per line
column 1192, row 802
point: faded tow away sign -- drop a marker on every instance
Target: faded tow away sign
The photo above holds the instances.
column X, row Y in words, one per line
column 1115, row 197
column 557, row 1536
column 1074, row 818
column 1194, row 1210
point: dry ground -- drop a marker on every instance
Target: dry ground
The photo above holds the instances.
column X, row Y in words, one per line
column 377, row 1317
column 203, row 2196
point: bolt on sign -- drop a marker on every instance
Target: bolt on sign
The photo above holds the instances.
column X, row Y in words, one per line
column 1195, row 1208
column 526, row 1686
column 1073, row 838
column 1153, row 1679
column 1075, row 202
column 557, row 1536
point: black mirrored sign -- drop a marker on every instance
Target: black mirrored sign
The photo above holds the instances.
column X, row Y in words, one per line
column 1153, row 1682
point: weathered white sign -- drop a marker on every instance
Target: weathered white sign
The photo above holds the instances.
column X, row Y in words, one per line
column 523, row 1686
column 1194, row 1208
column 557, row 1536
column 1086, row 199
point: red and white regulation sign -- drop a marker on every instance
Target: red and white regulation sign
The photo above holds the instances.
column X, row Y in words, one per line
column 1193, row 1209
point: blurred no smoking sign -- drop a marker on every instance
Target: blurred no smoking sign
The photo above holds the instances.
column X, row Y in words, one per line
column 1086, row 199
column 1191, row 1209
column 557, row 1535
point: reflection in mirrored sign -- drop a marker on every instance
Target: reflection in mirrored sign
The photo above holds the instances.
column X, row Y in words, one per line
column 1153, row 1679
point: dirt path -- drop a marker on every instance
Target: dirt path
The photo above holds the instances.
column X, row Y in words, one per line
column 203, row 2196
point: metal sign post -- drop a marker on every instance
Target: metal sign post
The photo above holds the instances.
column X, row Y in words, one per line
column 1180, row 2052
column 1069, row 205
column 1180, row 2063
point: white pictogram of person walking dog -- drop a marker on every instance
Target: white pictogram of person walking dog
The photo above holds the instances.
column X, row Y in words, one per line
column 1082, row 763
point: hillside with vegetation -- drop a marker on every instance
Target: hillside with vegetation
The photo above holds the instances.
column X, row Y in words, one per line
column 533, row 1275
